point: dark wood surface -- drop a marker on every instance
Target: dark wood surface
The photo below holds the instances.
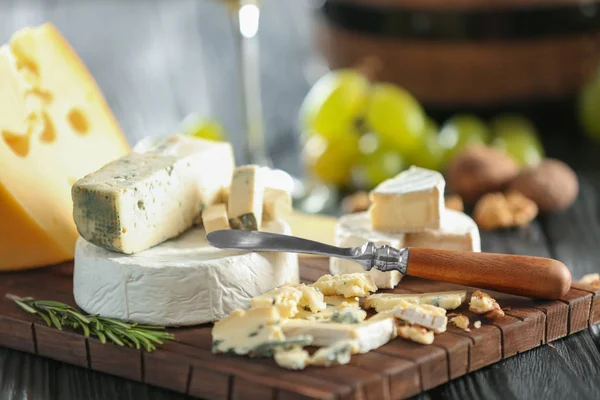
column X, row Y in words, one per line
column 156, row 61
column 187, row 365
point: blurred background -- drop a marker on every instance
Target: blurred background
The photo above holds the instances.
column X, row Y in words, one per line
column 346, row 92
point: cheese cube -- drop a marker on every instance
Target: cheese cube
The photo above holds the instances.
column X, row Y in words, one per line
column 369, row 335
column 246, row 198
column 242, row 331
column 338, row 353
column 387, row 301
column 411, row 201
column 215, row 218
column 348, row 285
column 55, row 127
column 277, row 204
column 142, row 200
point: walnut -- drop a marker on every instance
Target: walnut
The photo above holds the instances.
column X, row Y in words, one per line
column 356, row 202
column 552, row 185
column 461, row 321
column 483, row 303
column 454, row 202
column 496, row 210
column 591, row 279
column 477, row 170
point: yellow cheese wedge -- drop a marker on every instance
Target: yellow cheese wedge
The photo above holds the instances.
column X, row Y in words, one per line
column 55, row 127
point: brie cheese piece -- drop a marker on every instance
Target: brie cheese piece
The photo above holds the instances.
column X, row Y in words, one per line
column 411, row 201
column 458, row 232
column 184, row 281
column 347, row 285
column 144, row 199
column 387, row 301
column 277, row 204
column 369, row 335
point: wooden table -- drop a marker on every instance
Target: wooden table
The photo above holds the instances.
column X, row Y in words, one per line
column 158, row 60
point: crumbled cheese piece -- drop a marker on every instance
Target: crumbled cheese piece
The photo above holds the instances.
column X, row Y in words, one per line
column 415, row 333
column 461, row 321
column 285, row 298
column 347, row 285
column 483, row 303
column 591, row 279
column 338, row 353
column 335, row 304
column 312, row 299
column 295, row 358
column 477, row 324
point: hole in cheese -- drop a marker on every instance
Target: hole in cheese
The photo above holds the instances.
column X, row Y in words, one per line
column 48, row 132
column 19, row 144
column 78, row 121
column 43, row 95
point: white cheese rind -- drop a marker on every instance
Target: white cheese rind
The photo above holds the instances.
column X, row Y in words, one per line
column 181, row 282
column 458, row 232
column 411, row 201
column 143, row 199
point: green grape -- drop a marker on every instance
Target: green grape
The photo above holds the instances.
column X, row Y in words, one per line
column 334, row 103
column 462, row 130
column 517, row 136
column 589, row 109
column 196, row 126
column 330, row 160
column 376, row 163
column 397, row 117
column 431, row 154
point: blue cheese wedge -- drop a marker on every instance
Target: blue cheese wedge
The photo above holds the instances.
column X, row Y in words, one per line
column 245, row 204
column 338, row 353
column 214, row 218
column 369, row 335
column 411, row 201
column 334, row 304
column 347, row 285
column 144, row 199
column 242, row 331
column 295, row 358
column 387, row 301
column 427, row 316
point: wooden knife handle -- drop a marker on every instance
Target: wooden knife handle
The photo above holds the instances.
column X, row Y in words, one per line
column 521, row 275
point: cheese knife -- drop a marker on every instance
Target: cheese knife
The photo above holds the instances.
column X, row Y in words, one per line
column 520, row 275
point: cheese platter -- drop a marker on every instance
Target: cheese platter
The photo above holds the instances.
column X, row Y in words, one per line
column 157, row 292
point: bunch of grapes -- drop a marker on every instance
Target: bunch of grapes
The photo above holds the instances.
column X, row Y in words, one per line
column 360, row 133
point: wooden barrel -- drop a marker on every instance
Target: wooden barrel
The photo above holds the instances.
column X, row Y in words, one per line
column 468, row 54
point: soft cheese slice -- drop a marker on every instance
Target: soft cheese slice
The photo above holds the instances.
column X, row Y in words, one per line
column 243, row 331
column 355, row 230
column 183, row 281
column 142, row 200
column 369, row 335
column 214, row 218
column 387, row 301
column 55, row 127
column 458, row 232
column 348, row 285
column 411, row 201
column 246, row 195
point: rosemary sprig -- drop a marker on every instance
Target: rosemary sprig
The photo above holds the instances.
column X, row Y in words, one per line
column 105, row 329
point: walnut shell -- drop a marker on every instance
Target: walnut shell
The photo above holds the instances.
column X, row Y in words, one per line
column 477, row 170
column 552, row 185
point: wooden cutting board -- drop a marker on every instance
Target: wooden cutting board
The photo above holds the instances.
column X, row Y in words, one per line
column 396, row 370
